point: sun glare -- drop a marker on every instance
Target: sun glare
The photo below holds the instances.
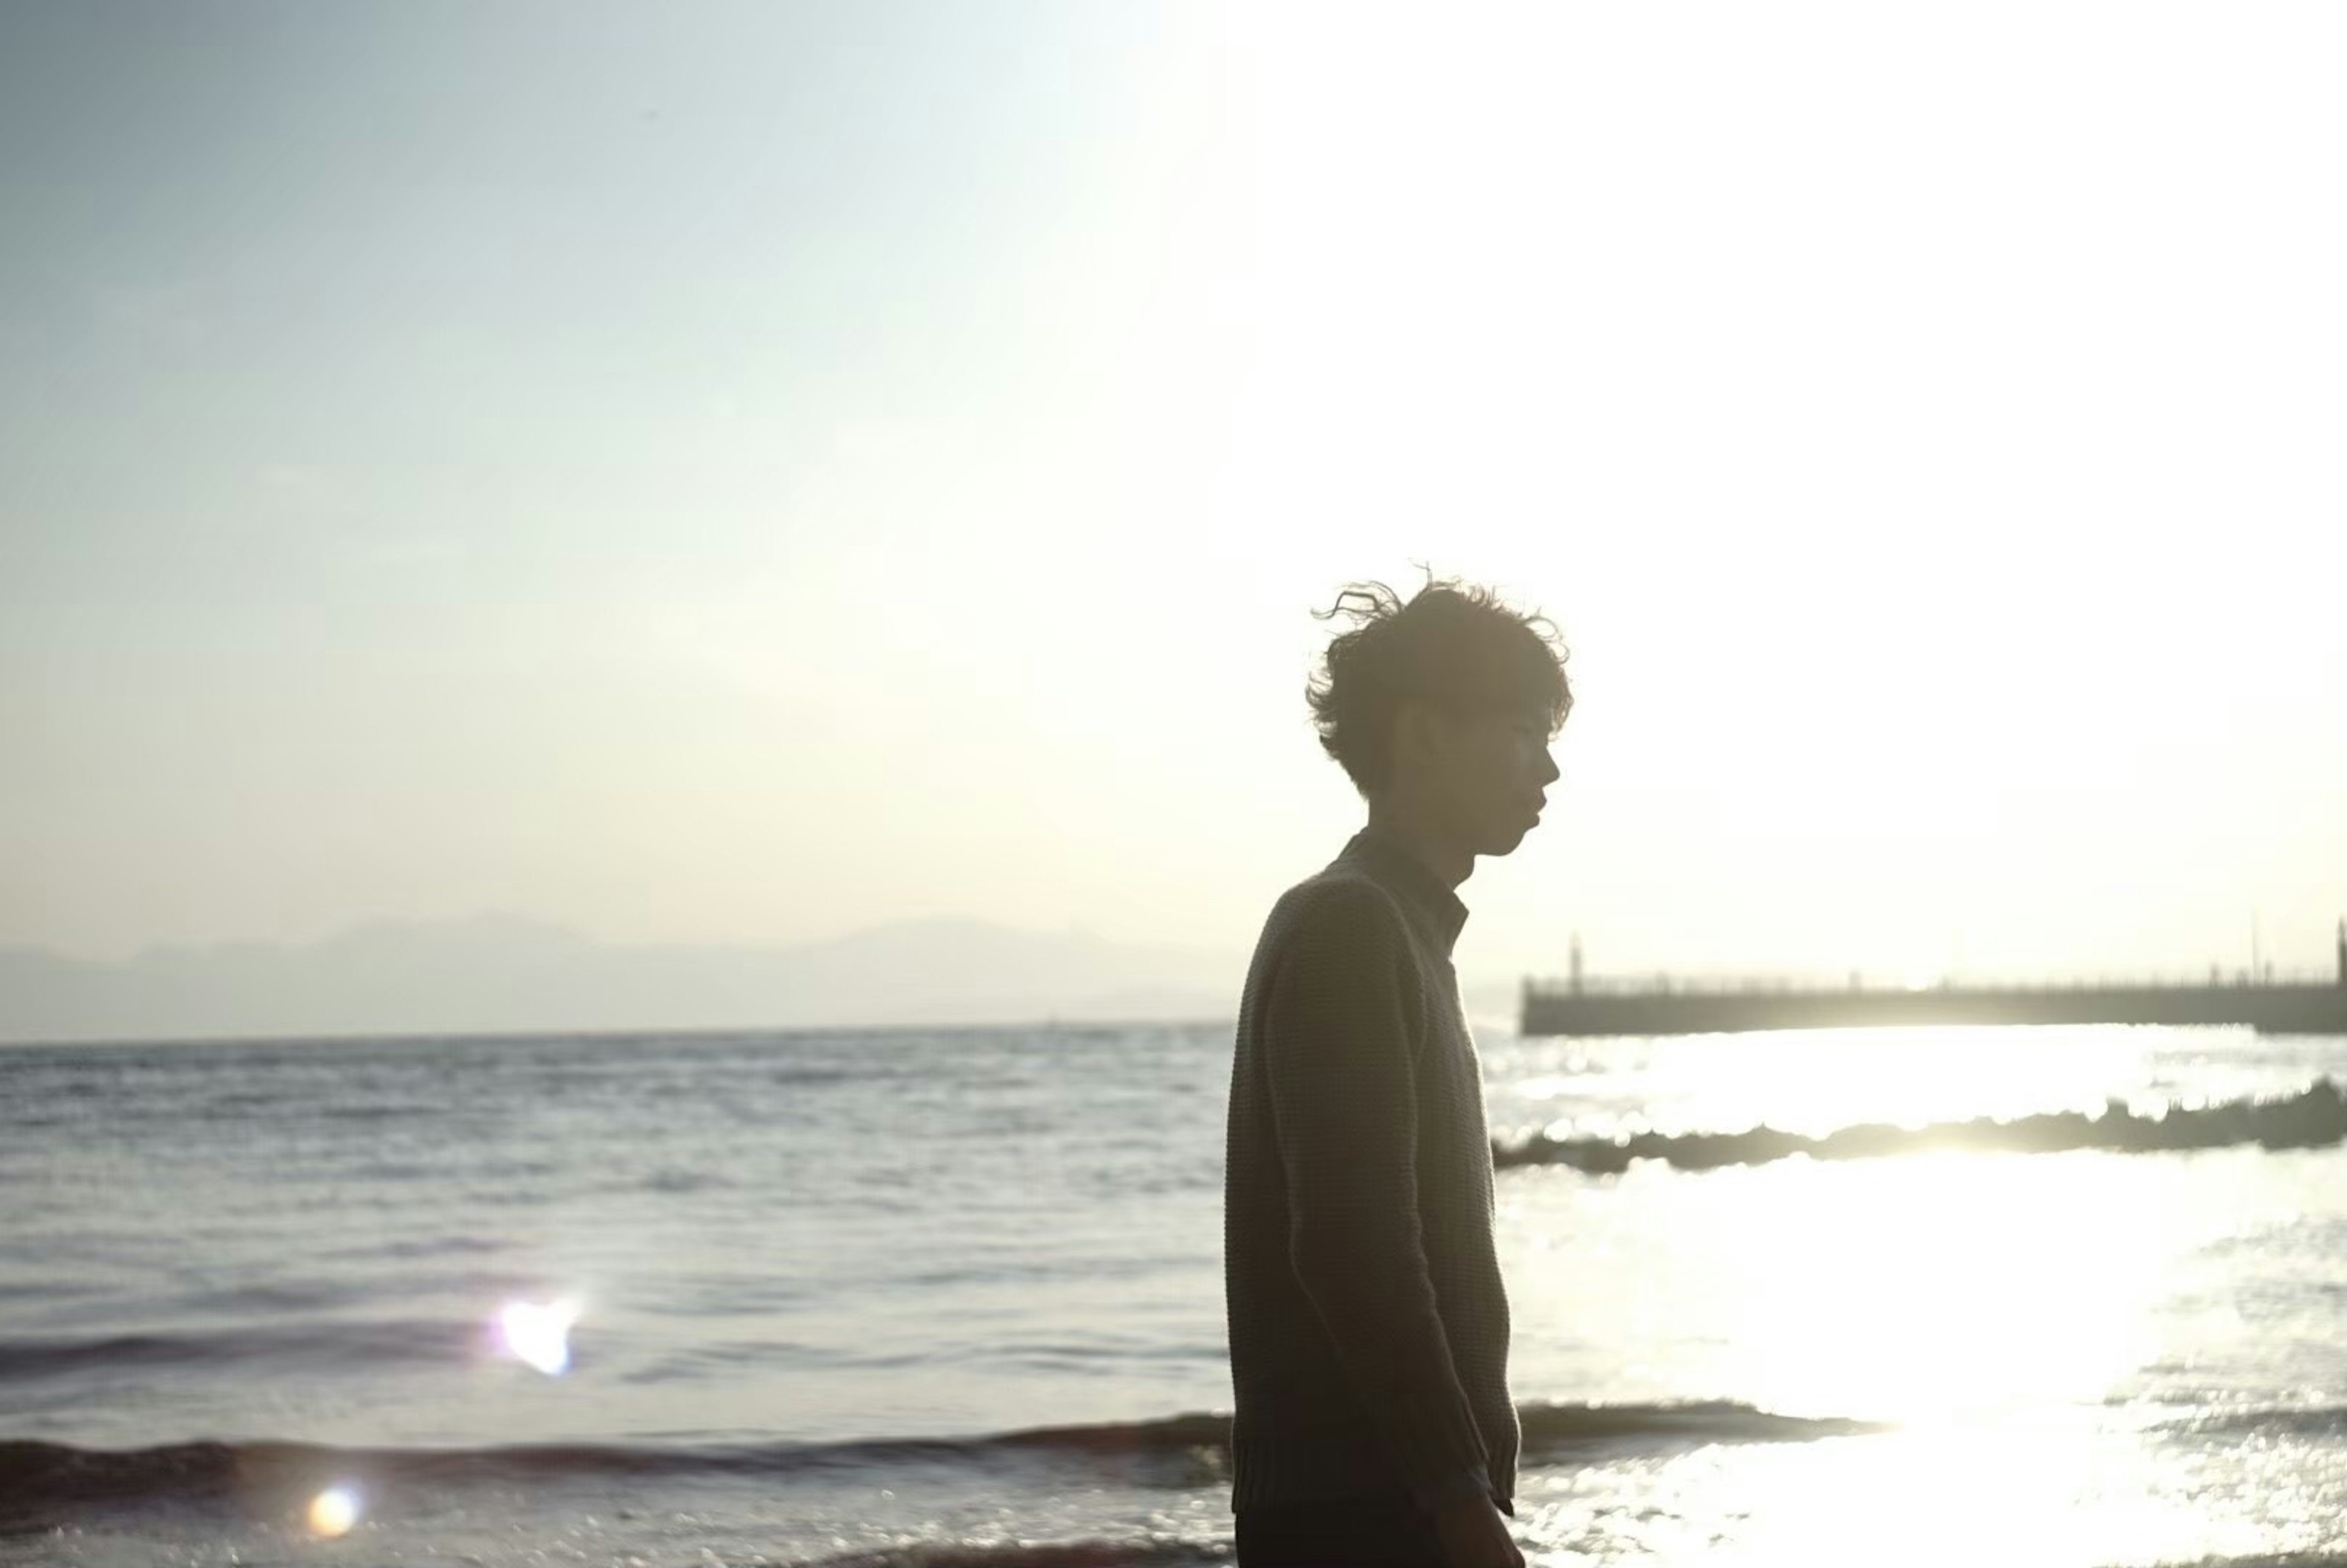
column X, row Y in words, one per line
column 1950, row 1287
column 333, row 1512
column 540, row 1336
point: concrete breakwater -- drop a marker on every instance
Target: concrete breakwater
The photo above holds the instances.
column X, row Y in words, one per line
column 2270, row 1008
column 1613, row 1008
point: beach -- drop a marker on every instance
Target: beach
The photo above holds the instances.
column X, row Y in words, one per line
column 954, row 1296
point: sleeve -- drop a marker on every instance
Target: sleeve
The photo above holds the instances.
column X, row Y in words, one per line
column 1458, row 1487
column 1344, row 1105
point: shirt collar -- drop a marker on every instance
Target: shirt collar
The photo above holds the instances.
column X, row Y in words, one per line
column 1404, row 874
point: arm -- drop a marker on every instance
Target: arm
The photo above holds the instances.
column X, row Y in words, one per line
column 1344, row 1100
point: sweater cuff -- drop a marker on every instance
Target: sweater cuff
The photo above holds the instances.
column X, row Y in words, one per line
column 1457, row 1487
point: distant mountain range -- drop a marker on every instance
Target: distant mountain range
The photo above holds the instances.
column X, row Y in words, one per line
column 502, row 973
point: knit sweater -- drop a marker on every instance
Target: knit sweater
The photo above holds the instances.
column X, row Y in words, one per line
column 1368, row 1323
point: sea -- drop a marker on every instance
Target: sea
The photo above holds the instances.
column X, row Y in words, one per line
column 938, row 1296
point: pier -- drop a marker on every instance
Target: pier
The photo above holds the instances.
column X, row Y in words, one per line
column 1577, row 1006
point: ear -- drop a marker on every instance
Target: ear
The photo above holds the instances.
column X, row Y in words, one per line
column 1418, row 731
column 1409, row 734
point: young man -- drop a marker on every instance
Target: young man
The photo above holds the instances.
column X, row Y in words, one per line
column 1368, row 1325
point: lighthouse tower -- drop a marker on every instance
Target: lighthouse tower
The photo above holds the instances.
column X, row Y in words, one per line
column 2342, row 952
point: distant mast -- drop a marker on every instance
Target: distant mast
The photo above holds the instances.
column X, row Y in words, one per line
column 2342, row 952
column 1576, row 958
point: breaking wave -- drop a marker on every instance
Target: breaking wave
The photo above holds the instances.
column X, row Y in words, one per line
column 1178, row 1452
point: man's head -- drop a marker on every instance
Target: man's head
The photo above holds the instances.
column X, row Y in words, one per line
column 1441, row 709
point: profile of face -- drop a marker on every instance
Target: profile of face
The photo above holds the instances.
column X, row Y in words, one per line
column 1483, row 777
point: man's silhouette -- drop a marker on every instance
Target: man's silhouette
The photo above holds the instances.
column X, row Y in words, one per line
column 1368, row 1325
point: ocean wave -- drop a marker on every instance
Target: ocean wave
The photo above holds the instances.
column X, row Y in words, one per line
column 1548, row 1428
column 1151, row 1552
column 1174, row 1451
column 1163, row 1552
column 2316, row 1117
column 2319, row 1421
column 322, row 1344
column 2278, row 1560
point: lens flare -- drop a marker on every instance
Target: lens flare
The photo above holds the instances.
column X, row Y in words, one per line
column 333, row 1511
column 540, row 1336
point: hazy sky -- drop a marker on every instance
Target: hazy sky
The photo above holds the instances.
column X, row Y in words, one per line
column 745, row 472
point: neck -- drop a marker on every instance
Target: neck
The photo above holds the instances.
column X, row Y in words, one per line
column 1446, row 857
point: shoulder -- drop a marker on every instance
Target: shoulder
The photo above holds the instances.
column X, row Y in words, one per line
column 1336, row 950
column 1340, row 908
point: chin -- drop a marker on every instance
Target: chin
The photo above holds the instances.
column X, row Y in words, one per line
column 1501, row 840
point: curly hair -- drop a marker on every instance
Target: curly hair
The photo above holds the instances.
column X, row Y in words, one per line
column 1455, row 647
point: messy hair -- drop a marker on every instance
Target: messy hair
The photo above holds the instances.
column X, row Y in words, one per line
column 1457, row 648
